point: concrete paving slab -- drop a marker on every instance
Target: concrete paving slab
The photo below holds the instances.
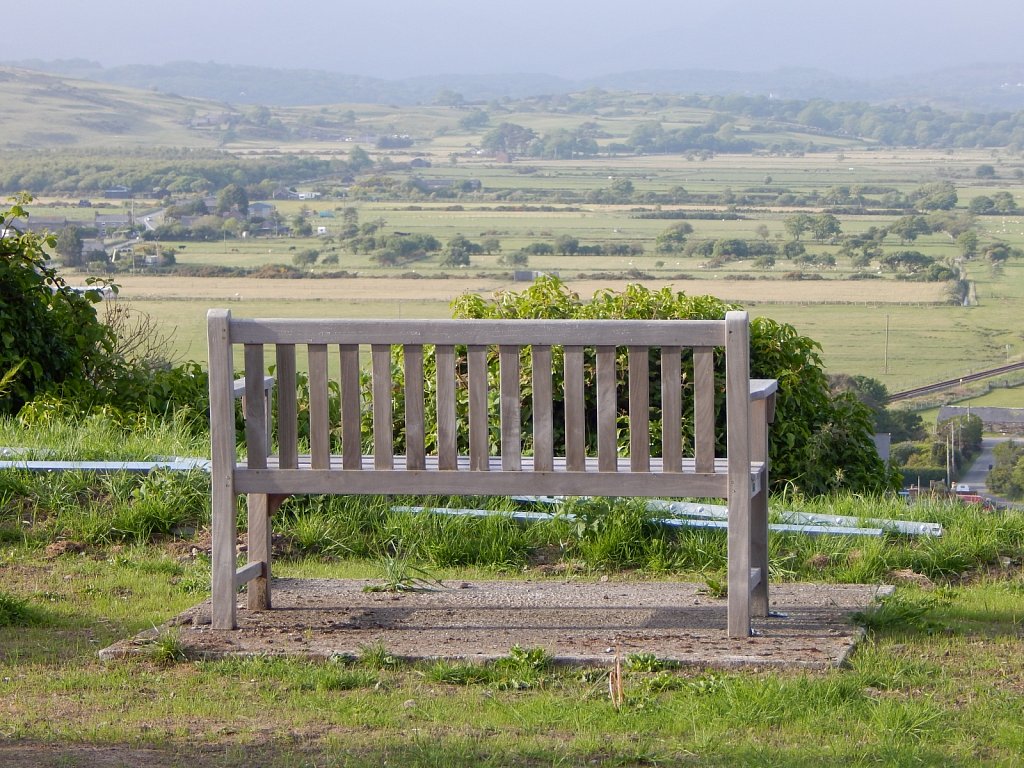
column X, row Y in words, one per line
column 583, row 622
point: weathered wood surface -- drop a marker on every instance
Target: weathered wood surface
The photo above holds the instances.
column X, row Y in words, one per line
column 460, row 429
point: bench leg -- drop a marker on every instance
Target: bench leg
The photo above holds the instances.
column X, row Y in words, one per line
column 759, row 551
column 739, row 566
column 258, row 590
column 261, row 510
column 223, row 554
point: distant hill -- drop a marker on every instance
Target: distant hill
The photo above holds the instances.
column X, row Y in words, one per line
column 990, row 87
column 50, row 111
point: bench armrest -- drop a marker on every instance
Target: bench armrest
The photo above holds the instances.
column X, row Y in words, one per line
column 762, row 388
column 763, row 391
column 239, row 386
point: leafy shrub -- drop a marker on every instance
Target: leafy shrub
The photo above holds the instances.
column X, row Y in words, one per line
column 49, row 332
column 820, row 442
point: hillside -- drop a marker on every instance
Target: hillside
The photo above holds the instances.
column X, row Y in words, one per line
column 985, row 87
column 48, row 111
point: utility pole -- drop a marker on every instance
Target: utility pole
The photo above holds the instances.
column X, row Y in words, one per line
column 886, row 355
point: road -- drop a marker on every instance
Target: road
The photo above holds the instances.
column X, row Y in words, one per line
column 977, row 474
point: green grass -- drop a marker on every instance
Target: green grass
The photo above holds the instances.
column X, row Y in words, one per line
column 944, row 691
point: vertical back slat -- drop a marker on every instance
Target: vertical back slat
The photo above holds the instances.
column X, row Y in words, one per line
column 351, row 408
column 671, row 409
column 414, row 429
column 287, row 408
column 639, row 410
column 607, row 411
column 543, row 420
column 704, row 409
column 383, row 422
column 478, row 426
column 575, row 411
column 447, row 434
column 255, row 408
column 319, row 412
column 511, row 426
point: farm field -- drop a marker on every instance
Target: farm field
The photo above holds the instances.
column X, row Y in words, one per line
column 927, row 340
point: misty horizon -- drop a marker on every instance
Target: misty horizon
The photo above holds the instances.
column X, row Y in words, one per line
column 571, row 40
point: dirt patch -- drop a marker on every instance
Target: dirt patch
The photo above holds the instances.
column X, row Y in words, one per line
column 576, row 622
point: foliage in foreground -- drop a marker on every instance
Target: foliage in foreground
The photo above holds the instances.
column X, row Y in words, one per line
column 59, row 358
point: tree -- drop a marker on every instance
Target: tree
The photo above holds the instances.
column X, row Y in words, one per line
column 622, row 189
column 1004, row 202
column 673, row 239
column 510, row 138
column 567, row 245
column 359, row 159
column 69, row 247
column 967, row 242
column 901, row 425
column 907, row 228
column 981, row 205
column 825, row 226
column 50, row 335
column 793, row 250
column 998, row 253
column 985, row 171
column 449, row 98
column 907, row 261
column 797, row 224
column 940, row 196
column 475, row 120
column 306, row 258
column 233, row 198
column 458, row 251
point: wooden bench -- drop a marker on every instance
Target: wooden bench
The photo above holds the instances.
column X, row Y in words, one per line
column 493, row 373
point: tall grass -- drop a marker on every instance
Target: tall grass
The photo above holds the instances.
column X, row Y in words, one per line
column 595, row 535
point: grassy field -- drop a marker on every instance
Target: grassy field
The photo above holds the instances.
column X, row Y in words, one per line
column 927, row 341
column 89, row 561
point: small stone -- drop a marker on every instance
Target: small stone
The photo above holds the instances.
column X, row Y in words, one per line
column 409, row 703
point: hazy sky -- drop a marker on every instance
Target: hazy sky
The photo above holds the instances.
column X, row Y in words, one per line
column 574, row 38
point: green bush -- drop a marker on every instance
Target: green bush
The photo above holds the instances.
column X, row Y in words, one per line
column 59, row 357
column 820, row 442
column 49, row 333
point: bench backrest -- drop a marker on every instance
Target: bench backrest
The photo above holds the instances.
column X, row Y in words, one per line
column 504, row 397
